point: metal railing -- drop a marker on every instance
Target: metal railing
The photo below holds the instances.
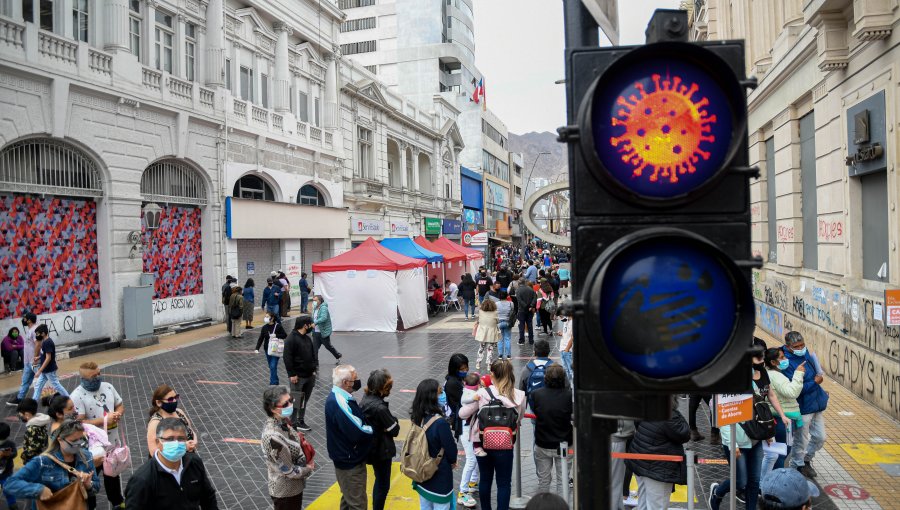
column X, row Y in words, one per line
column 172, row 181
column 48, row 166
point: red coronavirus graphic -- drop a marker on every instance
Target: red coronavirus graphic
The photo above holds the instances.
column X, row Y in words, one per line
column 664, row 129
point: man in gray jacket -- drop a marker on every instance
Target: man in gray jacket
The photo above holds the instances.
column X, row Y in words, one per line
column 527, row 300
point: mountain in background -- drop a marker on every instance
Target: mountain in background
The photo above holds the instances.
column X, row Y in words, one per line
column 549, row 166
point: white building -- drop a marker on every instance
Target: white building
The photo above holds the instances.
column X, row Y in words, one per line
column 823, row 127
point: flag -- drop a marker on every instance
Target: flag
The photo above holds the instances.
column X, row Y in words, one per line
column 479, row 91
column 483, row 96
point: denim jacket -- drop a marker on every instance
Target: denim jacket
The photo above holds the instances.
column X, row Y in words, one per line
column 41, row 472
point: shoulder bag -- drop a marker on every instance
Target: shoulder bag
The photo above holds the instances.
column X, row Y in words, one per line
column 71, row 497
column 118, row 458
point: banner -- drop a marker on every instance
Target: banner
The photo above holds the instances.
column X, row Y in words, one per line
column 475, row 238
column 452, row 227
column 432, row 226
column 892, row 301
column 733, row 408
column 366, row 226
column 399, row 228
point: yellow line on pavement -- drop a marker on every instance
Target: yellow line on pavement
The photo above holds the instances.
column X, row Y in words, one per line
column 400, row 497
column 678, row 496
column 873, row 453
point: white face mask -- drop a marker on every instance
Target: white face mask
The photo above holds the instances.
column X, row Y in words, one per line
column 266, row 319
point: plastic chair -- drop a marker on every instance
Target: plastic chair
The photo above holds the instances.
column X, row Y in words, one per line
column 454, row 300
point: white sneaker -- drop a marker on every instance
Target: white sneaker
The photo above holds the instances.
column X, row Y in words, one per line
column 466, row 500
column 632, row 499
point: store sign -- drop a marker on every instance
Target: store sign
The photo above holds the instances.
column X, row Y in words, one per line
column 472, row 216
column 733, row 408
column 432, row 226
column 475, row 238
column 451, row 227
column 399, row 228
column 892, row 303
column 366, row 226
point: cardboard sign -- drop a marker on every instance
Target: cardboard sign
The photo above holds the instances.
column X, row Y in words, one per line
column 892, row 307
column 733, row 408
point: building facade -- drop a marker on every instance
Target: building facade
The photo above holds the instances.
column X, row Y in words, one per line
column 823, row 127
column 516, row 164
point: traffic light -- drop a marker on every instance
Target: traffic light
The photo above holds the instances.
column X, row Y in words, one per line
column 661, row 222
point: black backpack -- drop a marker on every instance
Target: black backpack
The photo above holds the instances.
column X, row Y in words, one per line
column 762, row 426
column 495, row 419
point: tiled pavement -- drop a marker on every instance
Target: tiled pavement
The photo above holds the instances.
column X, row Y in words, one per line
column 226, row 414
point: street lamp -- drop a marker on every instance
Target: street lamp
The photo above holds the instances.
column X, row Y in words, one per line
column 539, row 154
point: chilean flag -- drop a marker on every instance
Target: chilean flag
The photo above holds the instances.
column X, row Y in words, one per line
column 479, row 91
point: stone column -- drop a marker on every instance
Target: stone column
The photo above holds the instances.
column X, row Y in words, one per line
column 116, row 26
column 403, row 178
column 331, row 92
column 282, row 78
column 415, row 170
column 215, row 44
column 179, row 58
column 148, row 34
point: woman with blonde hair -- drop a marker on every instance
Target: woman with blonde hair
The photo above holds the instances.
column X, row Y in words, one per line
column 487, row 332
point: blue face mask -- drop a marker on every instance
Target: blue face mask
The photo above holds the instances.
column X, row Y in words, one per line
column 91, row 384
column 442, row 399
column 462, row 375
column 799, row 352
column 286, row 412
column 783, row 365
column 173, row 451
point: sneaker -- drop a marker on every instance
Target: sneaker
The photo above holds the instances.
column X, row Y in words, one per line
column 466, row 500
column 479, row 452
column 302, row 426
column 809, row 468
column 714, row 501
column 739, row 495
column 631, row 500
column 337, row 361
column 472, row 487
column 521, row 342
column 696, row 435
column 807, row 471
column 14, row 402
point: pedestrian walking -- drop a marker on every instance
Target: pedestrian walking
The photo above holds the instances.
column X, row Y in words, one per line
column 467, row 289
column 13, row 348
column 97, row 403
column 236, row 306
column 486, row 332
column 533, row 373
column 484, row 283
column 304, row 293
column 46, row 371
column 37, row 429
column 563, row 277
column 506, row 319
column 29, row 349
column 271, row 328
column 249, row 300
column 322, row 334
column 693, row 407
column 497, row 462
column 286, row 463
column 566, row 345
column 552, row 404
column 272, row 299
column 66, row 460
column 436, row 493
column 302, row 364
column 531, row 273
column 527, row 299
column 546, row 305
column 656, row 478
column 164, row 405
column 173, row 478
column 749, row 459
column 813, row 401
column 226, row 300
column 787, row 390
column 786, row 489
column 385, row 427
column 349, row 438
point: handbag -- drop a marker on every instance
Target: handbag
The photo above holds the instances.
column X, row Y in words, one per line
column 71, row 497
column 276, row 347
column 308, row 451
column 118, row 458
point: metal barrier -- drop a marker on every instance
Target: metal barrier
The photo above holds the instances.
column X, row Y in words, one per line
column 518, row 501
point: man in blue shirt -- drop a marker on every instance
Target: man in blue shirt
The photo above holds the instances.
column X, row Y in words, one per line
column 304, row 293
column 812, row 400
column 273, row 299
column 47, row 368
column 531, row 273
column 348, row 436
column 563, row 277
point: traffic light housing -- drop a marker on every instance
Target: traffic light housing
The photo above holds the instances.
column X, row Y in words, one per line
column 661, row 222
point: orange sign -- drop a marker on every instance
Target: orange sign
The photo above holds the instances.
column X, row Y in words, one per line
column 733, row 408
column 892, row 302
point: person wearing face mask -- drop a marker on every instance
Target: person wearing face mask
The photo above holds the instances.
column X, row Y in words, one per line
column 29, row 324
column 287, row 466
column 37, row 429
column 301, row 360
column 271, row 326
column 322, row 333
column 164, row 404
column 349, row 437
column 385, row 428
column 94, row 400
column 788, row 390
column 813, row 400
column 13, row 348
column 65, row 461
column 173, row 479
column 457, row 369
column 46, row 367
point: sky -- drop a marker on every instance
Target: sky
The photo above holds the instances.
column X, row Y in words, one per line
column 519, row 49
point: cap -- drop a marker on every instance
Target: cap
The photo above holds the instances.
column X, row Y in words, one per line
column 274, row 273
column 787, row 488
column 234, row 285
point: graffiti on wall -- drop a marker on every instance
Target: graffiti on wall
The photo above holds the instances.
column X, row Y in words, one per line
column 173, row 252
column 770, row 319
column 868, row 375
column 48, row 255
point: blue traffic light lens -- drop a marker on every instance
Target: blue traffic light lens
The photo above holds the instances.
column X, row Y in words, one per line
column 667, row 307
column 662, row 127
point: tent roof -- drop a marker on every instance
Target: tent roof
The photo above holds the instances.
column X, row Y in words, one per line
column 449, row 255
column 443, row 242
column 368, row 255
column 406, row 246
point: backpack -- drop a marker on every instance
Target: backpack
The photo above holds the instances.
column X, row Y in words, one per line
column 498, row 424
column 536, row 379
column 762, row 426
column 415, row 462
column 236, row 311
column 549, row 306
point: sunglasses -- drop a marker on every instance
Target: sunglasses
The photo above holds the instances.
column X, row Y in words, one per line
column 289, row 402
column 171, row 399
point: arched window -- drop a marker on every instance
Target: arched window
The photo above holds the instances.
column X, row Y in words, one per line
column 310, row 195
column 254, row 188
column 172, row 181
column 47, row 166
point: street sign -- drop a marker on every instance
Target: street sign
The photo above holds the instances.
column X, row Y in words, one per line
column 251, row 268
column 733, row 408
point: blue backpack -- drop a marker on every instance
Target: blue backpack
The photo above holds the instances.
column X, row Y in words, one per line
column 536, row 379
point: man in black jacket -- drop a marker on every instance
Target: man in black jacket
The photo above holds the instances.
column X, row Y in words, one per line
column 484, row 283
column 527, row 301
column 504, row 278
column 552, row 405
column 172, row 479
column 301, row 360
column 655, row 477
column 226, row 296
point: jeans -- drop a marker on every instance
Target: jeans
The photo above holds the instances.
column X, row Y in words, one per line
column 503, row 349
column 274, row 309
column 470, row 469
column 353, row 487
column 53, row 379
column 748, row 468
column 382, row 486
column 469, row 304
column 773, row 460
column 273, row 369
column 809, row 439
column 566, row 358
column 653, row 494
column 301, row 391
column 424, row 504
column 326, row 341
column 10, row 500
column 501, row 463
column 617, row 475
column 544, row 461
column 304, row 301
column 27, row 379
column 525, row 317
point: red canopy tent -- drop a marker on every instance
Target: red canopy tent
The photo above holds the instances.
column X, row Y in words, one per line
column 454, row 261
column 474, row 257
column 368, row 255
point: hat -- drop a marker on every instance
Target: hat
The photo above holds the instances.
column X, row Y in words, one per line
column 486, row 380
column 234, row 285
column 228, row 278
column 274, row 273
column 787, row 488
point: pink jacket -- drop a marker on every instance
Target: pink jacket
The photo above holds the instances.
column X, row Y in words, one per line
column 471, row 410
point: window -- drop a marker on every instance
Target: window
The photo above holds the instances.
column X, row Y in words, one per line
column 316, row 112
column 246, row 83
column 254, row 188
column 228, row 74
column 264, row 90
column 358, row 47
column 772, row 218
column 518, row 190
column 493, row 134
column 80, row 20
column 358, row 24
column 875, row 235
column 164, row 38
column 351, row 4
column 372, row 69
column 808, row 191
column 134, row 34
column 303, row 106
column 190, row 50
column 45, row 13
column 310, row 195
column 495, row 166
column 364, row 142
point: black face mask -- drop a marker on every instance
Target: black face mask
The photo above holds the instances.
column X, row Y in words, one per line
column 759, row 366
column 357, row 384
